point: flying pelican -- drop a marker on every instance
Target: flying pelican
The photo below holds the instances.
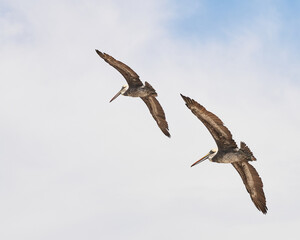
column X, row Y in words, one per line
column 228, row 152
column 135, row 88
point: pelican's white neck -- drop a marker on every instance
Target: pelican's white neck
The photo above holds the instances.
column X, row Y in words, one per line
column 212, row 153
column 124, row 88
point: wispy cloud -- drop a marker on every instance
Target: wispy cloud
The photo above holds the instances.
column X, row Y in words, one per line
column 74, row 166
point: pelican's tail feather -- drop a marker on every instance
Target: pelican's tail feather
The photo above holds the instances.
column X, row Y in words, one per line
column 152, row 90
column 246, row 150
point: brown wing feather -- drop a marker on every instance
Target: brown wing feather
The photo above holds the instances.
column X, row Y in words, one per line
column 215, row 126
column 253, row 184
column 131, row 77
column 158, row 113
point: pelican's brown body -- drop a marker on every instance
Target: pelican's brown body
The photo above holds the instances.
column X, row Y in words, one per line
column 142, row 91
column 136, row 88
column 228, row 152
column 243, row 154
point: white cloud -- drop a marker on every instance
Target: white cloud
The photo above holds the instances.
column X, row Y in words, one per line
column 74, row 166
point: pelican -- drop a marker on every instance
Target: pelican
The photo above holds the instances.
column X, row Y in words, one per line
column 135, row 88
column 228, row 152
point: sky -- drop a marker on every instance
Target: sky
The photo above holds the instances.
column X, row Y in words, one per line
column 74, row 166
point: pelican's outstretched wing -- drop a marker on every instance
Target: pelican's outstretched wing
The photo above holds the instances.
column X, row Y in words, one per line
column 131, row 77
column 215, row 126
column 253, row 184
column 158, row 113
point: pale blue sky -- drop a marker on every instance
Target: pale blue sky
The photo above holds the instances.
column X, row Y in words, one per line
column 213, row 19
column 218, row 21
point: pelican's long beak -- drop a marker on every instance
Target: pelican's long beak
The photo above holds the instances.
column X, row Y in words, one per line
column 117, row 95
column 201, row 160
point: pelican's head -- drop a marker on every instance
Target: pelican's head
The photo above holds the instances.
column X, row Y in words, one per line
column 122, row 91
column 208, row 156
